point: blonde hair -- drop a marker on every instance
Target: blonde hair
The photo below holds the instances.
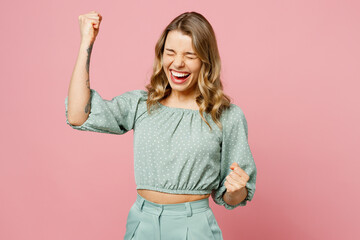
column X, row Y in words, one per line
column 211, row 98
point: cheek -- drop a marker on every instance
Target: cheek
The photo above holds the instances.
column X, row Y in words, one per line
column 196, row 67
column 166, row 61
column 196, row 71
column 166, row 66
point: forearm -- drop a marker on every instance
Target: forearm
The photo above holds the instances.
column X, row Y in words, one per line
column 79, row 88
column 235, row 198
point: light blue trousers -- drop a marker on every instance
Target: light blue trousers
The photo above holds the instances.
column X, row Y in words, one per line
column 181, row 221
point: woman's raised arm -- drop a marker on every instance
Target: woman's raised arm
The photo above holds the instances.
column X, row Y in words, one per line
column 79, row 88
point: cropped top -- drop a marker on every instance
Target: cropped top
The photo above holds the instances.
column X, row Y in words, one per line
column 174, row 149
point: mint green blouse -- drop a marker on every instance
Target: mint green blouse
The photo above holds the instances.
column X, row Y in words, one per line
column 174, row 149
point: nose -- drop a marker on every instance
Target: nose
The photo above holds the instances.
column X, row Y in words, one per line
column 178, row 61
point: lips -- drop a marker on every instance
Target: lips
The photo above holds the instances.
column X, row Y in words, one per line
column 177, row 80
column 179, row 71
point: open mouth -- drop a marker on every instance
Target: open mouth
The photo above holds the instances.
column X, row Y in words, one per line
column 179, row 76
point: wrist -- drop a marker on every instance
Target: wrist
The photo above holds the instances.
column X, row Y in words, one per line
column 235, row 198
column 86, row 42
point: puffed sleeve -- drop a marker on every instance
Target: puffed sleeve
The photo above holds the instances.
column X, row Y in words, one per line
column 235, row 148
column 115, row 116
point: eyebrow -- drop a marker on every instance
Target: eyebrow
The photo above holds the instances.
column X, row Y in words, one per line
column 169, row 49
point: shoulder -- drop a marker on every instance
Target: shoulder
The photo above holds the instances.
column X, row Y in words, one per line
column 234, row 119
column 233, row 113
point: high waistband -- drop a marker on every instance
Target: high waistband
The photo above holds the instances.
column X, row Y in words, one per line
column 186, row 208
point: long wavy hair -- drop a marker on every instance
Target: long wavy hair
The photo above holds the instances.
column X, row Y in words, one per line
column 211, row 98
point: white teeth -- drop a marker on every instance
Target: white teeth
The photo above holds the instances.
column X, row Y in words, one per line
column 179, row 74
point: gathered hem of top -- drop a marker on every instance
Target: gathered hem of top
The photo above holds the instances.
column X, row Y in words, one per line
column 175, row 191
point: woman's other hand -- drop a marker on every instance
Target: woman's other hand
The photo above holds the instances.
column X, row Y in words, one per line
column 89, row 25
column 236, row 182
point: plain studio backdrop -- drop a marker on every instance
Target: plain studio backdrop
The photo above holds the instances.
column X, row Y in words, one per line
column 292, row 66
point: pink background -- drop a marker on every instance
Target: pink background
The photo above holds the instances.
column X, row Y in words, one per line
column 292, row 66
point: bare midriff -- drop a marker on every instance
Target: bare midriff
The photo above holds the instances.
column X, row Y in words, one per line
column 169, row 198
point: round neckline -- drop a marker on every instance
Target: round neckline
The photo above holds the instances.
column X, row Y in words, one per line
column 177, row 109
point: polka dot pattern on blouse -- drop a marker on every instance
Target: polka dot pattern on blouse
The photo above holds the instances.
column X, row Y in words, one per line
column 174, row 149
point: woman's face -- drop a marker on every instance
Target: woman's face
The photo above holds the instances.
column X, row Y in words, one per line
column 180, row 62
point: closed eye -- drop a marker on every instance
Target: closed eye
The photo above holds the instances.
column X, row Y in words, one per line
column 171, row 54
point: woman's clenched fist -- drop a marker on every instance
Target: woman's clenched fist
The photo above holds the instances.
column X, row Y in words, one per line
column 89, row 25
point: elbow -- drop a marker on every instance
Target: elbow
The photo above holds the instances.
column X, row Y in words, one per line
column 74, row 114
column 76, row 121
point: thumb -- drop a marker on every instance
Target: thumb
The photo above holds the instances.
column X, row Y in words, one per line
column 234, row 165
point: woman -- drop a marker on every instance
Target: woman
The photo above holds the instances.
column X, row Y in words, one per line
column 190, row 142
